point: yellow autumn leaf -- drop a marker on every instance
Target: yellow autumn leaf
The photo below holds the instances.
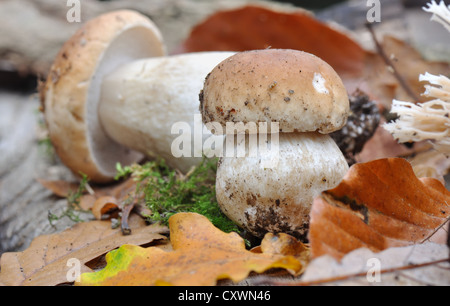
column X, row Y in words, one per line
column 202, row 255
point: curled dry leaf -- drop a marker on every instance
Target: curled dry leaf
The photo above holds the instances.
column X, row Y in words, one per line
column 417, row 265
column 284, row 244
column 431, row 163
column 378, row 205
column 202, row 255
column 251, row 28
column 59, row 188
column 101, row 200
column 254, row 27
column 105, row 205
column 45, row 262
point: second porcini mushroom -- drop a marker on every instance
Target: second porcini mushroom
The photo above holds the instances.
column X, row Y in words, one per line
column 112, row 95
column 307, row 99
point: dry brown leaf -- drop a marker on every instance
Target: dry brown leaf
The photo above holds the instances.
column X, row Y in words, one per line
column 63, row 188
column 431, row 163
column 251, row 27
column 202, row 255
column 44, row 263
column 104, row 206
column 378, row 205
column 383, row 145
column 96, row 199
column 408, row 62
column 59, row 188
column 418, row 265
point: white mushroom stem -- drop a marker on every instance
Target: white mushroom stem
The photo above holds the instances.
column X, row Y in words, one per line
column 141, row 101
column 278, row 197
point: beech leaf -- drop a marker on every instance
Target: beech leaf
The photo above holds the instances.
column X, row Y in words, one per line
column 202, row 255
column 417, row 265
column 253, row 27
column 378, row 205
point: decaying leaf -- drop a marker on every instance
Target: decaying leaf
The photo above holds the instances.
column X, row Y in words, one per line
column 417, row 265
column 105, row 206
column 378, row 205
column 431, row 163
column 251, row 27
column 59, row 188
column 45, row 262
column 254, row 27
column 284, row 244
column 381, row 82
column 201, row 255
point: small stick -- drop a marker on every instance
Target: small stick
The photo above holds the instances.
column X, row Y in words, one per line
column 388, row 62
column 126, row 210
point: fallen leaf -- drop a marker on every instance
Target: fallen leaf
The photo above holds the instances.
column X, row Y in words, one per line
column 378, row 205
column 418, row 265
column 45, row 262
column 202, row 255
column 105, row 206
column 383, row 145
column 100, row 200
column 284, row 244
column 59, row 188
column 254, row 27
column 384, row 86
column 431, row 163
column 251, row 27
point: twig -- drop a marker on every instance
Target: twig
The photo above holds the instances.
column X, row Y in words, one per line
column 388, row 62
column 126, row 210
column 436, row 230
column 268, row 281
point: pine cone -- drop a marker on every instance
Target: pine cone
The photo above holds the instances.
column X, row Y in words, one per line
column 362, row 123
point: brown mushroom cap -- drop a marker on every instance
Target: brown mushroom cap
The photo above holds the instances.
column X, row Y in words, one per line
column 297, row 89
column 72, row 91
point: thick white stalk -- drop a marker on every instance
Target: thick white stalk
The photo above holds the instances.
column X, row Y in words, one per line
column 142, row 101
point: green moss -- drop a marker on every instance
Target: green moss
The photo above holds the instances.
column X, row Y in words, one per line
column 167, row 192
column 73, row 210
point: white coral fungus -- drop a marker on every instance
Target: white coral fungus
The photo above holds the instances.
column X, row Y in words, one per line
column 429, row 120
column 425, row 121
column 441, row 13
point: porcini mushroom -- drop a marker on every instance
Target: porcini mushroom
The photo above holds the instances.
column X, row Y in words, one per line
column 112, row 95
column 308, row 100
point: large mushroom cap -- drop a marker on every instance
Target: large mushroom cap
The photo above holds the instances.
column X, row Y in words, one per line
column 72, row 91
column 297, row 89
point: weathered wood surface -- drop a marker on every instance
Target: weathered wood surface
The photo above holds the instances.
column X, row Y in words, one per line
column 24, row 203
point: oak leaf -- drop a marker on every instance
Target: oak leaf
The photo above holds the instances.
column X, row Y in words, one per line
column 378, row 205
column 202, row 255
column 45, row 262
